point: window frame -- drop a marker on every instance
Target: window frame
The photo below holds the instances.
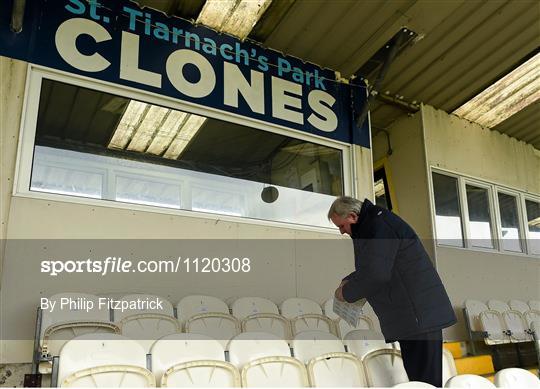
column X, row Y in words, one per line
column 522, row 237
column 529, row 197
column 25, row 150
column 434, row 210
column 495, row 217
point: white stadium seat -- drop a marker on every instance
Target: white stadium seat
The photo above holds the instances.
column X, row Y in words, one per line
column 534, row 304
column 514, row 323
column 189, row 360
column 473, row 309
column 261, row 315
column 265, row 360
column 147, row 325
column 310, row 344
column 449, row 366
column 384, row 368
column 468, row 381
column 328, row 364
column 209, row 316
column 190, row 306
column 516, row 378
column 75, row 314
column 362, row 342
column 494, row 327
column 519, row 305
column 103, row 360
column 219, row 326
column 414, row 384
column 306, row 315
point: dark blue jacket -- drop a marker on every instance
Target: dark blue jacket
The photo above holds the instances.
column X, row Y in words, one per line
column 395, row 275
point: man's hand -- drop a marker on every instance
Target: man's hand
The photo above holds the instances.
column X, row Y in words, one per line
column 338, row 294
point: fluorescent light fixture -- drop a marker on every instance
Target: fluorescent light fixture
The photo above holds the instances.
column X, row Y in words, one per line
column 188, row 130
column 504, row 98
column 131, row 118
column 147, row 128
column 167, row 132
column 235, row 17
column 153, row 129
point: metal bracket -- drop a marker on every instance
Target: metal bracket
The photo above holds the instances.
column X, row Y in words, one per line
column 381, row 61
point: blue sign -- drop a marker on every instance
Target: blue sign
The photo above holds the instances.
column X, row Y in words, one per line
column 119, row 42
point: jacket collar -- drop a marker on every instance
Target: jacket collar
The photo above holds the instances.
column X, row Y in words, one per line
column 362, row 215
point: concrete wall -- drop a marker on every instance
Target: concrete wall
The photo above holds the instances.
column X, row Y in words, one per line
column 468, row 149
column 300, row 263
column 407, row 167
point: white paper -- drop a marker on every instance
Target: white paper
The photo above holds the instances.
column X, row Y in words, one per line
column 350, row 312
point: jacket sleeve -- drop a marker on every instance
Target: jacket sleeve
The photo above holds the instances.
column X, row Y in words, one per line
column 375, row 258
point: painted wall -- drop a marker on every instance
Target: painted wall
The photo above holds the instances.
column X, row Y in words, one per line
column 467, row 148
column 286, row 261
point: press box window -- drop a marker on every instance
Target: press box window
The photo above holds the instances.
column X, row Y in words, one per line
column 98, row 145
column 382, row 189
column 447, row 210
column 533, row 225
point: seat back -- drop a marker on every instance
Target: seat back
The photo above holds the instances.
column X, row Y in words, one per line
column 530, row 317
column 190, row 306
column 498, row 305
column 295, row 306
column 268, row 322
column 146, row 325
column 449, row 366
column 103, row 360
column 384, row 368
column 182, row 360
column 473, row 310
column 336, row 370
column 75, row 314
column 265, row 360
column 516, row 378
column 516, row 324
column 219, row 326
column 310, row 344
column 534, row 304
column 492, row 323
column 247, row 306
column 362, row 342
column 249, row 346
column 468, row 381
column 519, row 305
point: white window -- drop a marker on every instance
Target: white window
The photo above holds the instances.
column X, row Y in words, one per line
column 510, row 224
column 479, row 217
column 470, row 213
column 533, row 225
column 447, row 210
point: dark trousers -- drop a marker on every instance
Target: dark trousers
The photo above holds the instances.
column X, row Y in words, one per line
column 422, row 357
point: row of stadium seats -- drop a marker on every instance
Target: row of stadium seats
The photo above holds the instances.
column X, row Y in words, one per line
column 317, row 359
column 205, row 315
column 499, row 322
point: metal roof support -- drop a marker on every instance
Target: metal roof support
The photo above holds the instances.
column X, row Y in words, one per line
column 17, row 15
column 393, row 48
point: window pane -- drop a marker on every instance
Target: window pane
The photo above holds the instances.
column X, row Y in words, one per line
column 533, row 223
column 479, row 217
column 99, row 145
column 509, row 223
column 447, row 210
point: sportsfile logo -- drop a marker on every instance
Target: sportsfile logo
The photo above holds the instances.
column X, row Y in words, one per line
column 111, row 265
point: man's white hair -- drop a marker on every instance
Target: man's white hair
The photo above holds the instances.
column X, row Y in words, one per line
column 343, row 206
